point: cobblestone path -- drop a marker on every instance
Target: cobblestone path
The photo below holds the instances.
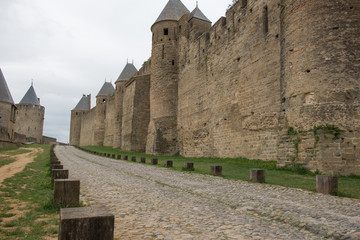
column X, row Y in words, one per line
column 157, row 203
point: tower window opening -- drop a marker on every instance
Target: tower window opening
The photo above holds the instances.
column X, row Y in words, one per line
column 243, row 3
column 173, row 62
column 266, row 20
column 166, row 31
column 163, row 52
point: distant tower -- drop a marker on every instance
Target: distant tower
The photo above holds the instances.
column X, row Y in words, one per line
column 81, row 108
column 129, row 71
column 103, row 96
column 7, row 111
column 162, row 132
column 30, row 117
column 199, row 21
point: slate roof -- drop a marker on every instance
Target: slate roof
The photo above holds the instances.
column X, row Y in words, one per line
column 197, row 13
column 5, row 95
column 83, row 104
column 107, row 89
column 128, row 71
column 30, row 97
column 173, row 10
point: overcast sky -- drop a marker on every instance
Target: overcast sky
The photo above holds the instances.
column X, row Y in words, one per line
column 69, row 47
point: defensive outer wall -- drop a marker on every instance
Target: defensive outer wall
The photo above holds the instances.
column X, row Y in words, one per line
column 273, row 80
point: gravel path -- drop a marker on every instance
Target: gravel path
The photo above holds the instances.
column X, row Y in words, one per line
column 157, row 203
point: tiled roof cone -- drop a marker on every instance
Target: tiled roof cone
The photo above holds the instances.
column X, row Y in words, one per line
column 107, row 89
column 129, row 71
column 197, row 13
column 30, row 97
column 83, row 104
column 5, row 95
column 173, row 10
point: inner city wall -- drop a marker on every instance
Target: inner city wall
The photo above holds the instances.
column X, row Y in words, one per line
column 273, row 80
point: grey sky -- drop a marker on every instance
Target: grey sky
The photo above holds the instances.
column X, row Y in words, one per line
column 69, row 47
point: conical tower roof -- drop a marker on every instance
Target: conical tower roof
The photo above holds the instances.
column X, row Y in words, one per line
column 129, row 71
column 5, row 95
column 197, row 13
column 107, row 89
column 173, row 10
column 30, row 97
column 83, row 104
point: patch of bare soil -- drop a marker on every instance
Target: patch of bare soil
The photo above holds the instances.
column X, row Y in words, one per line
column 21, row 161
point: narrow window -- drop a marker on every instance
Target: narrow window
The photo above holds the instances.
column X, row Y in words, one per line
column 243, row 3
column 163, row 52
column 173, row 62
column 166, row 31
column 266, row 20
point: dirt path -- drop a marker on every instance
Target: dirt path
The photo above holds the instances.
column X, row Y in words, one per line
column 21, row 161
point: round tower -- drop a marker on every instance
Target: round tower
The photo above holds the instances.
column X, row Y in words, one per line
column 7, row 111
column 76, row 115
column 320, row 80
column 162, row 132
column 30, row 117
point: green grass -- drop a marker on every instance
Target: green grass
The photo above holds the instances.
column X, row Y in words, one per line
column 238, row 169
column 31, row 189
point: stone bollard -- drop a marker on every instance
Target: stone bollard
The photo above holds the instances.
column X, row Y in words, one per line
column 56, row 166
column 86, row 223
column 154, row 161
column 59, row 174
column 216, row 170
column 118, row 157
column 66, row 193
column 143, row 160
column 326, row 184
column 125, row 157
column 189, row 166
column 169, row 163
column 257, row 175
column 133, row 159
column 113, row 156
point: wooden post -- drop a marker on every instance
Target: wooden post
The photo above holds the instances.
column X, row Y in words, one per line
column 59, row 174
column 154, row 161
column 189, row 166
column 216, row 170
column 113, row 156
column 143, row 160
column 169, row 163
column 133, row 159
column 94, row 223
column 257, row 175
column 118, row 157
column 125, row 157
column 66, row 193
column 326, row 184
column 56, row 166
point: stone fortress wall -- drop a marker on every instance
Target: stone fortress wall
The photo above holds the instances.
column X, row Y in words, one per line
column 30, row 121
column 273, row 80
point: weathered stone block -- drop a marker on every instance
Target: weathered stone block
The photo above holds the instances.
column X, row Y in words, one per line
column 154, row 161
column 59, row 174
column 326, row 184
column 118, row 157
column 143, row 160
column 66, row 193
column 56, row 166
column 189, row 166
column 95, row 223
column 216, row 170
column 257, row 175
column 126, row 157
column 133, row 159
column 169, row 163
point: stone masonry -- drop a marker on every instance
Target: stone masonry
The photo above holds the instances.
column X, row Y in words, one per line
column 273, row 80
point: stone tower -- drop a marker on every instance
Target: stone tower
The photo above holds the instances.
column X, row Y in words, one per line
column 128, row 71
column 30, row 117
column 7, row 111
column 162, row 131
column 81, row 108
column 102, row 98
column 198, row 21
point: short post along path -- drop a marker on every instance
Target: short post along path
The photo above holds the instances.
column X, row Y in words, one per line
column 158, row 203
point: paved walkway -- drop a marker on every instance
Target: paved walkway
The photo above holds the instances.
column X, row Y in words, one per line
column 157, row 203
